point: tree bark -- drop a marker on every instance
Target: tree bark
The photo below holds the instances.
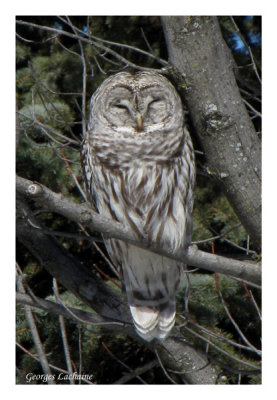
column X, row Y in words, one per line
column 222, row 125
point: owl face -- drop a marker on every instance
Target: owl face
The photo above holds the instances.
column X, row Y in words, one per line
column 138, row 103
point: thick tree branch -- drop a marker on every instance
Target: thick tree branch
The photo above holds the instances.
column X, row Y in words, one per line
column 68, row 271
column 222, row 124
column 82, row 213
column 76, row 314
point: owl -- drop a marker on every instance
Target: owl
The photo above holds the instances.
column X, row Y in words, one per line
column 138, row 163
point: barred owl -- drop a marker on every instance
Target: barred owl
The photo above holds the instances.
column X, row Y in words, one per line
column 139, row 169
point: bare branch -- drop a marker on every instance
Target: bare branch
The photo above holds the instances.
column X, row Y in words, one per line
column 221, row 338
column 68, row 167
column 138, row 371
column 35, row 335
column 121, row 362
column 223, row 351
column 122, row 45
column 74, row 314
column 84, row 75
column 46, row 128
column 255, row 305
column 256, row 113
column 64, row 337
column 93, row 43
column 46, row 89
column 237, row 30
column 164, row 370
column 245, row 340
column 82, row 213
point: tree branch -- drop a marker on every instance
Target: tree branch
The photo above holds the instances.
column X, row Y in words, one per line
column 76, row 314
column 82, row 213
column 226, row 133
column 97, row 43
column 35, row 335
column 68, row 270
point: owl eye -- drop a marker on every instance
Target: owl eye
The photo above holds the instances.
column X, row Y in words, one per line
column 156, row 103
column 120, row 106
column 157, row 110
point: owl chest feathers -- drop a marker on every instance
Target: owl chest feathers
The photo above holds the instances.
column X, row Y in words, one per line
column 149, row 197
column 119, row 148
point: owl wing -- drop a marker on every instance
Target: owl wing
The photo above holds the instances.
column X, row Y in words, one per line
column 87, row 166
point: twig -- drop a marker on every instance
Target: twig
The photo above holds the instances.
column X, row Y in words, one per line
column 250, row 95
column 54, row 132
column 74, row 53
column 123, row 45
column 232, row 319
column 163, row 368
column 146, row 41
column 35, row 41
column 77, row 315
column 138, row 371
column 26, row 285
column 64, row 339
column 99, row 66
column 80, row 349
column 257, row 113
column 75, row 236
column 106, row 276
column 221, row 350
column 122, row 363
column 93, row 43
column 84, row 75
column 255, row 304
column 219, row 337
column 35, row 335
column 108, row 261
column 68, row 166
column 237, row 30
column 40, row 84
column 219, row 236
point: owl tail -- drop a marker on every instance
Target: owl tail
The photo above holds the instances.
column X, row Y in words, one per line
column 151, row 282
column 155, row 322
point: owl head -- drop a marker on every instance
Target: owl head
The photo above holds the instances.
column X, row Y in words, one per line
column 137, row 103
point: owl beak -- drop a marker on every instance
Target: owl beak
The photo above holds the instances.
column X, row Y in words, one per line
column 139, row 122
